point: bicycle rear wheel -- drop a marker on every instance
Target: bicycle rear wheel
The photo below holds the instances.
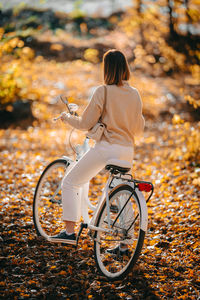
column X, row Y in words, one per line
column 47, row 202
column 125, row 220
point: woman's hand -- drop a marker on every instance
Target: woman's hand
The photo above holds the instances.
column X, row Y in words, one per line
column 64, row 116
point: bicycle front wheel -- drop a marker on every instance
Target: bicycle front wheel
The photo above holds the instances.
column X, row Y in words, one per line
column 47, row 202
column 117, row 251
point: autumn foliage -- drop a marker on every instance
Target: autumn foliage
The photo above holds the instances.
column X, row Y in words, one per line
column 168, row 154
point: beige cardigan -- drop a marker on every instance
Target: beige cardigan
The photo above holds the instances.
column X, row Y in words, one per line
column 122, row 116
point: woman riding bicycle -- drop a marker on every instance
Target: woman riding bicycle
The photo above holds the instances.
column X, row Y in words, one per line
column 121, row 113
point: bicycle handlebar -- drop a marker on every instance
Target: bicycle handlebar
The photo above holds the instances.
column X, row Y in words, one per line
column 57, row 118
column 72, row 108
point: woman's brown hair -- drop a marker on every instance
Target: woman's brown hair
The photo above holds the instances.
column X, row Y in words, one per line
column 115, row 67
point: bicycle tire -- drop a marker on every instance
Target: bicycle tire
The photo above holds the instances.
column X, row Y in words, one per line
column 47, row 201
column 117, row 266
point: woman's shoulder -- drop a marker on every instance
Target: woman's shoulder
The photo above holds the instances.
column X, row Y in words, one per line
column 133, row 89
column 98, row 94
column 135, row 92
column 99, row 89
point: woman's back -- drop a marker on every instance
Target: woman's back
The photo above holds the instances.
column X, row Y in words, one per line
column 123, row 113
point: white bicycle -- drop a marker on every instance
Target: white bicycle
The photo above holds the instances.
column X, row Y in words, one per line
column 119, row 218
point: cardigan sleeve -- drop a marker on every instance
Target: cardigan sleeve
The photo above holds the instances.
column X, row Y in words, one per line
column 91, row 114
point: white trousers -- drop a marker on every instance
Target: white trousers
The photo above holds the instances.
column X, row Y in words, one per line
column 75, row 181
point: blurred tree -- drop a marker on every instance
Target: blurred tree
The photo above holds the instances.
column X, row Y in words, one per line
column 170, row 5
column 189, row 19
column 141, row 27
column 139, row 6
column 183, row 17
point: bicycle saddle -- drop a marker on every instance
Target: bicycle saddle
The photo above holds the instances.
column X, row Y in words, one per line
column 118, row 166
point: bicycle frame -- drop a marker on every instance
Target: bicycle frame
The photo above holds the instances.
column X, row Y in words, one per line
column 112, row 182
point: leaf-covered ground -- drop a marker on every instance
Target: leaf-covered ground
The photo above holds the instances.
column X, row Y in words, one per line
column 168, row 268
column 32, row 268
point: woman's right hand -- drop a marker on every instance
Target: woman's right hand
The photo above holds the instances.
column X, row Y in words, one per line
column 64, row 116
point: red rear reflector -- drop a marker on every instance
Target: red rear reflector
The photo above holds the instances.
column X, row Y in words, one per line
column 146, row 187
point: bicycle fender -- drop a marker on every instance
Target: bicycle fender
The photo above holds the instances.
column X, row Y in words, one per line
column 143, row 206
column 144, row 212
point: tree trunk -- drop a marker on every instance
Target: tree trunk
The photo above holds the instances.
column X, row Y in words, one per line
column 139, row 12
column 189, row 19
column 172, row 31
